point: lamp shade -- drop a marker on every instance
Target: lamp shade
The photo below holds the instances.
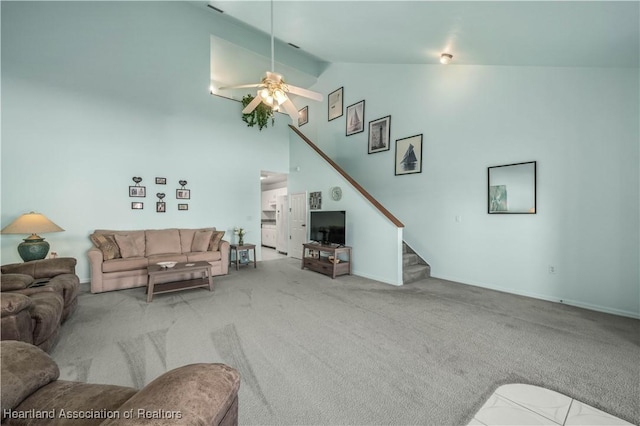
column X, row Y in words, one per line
column 34, row 247
column 31, row 223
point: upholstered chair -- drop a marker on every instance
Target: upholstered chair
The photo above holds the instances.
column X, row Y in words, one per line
column 35, row 298
column 58, row 273
column 195, row 394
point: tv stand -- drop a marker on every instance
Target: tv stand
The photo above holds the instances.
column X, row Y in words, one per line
column 321, row 262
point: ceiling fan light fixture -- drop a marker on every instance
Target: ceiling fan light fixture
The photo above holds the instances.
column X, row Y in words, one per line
column 446, row 58
column 279, row 96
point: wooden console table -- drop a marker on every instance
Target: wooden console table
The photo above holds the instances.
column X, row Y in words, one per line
column 321, row 262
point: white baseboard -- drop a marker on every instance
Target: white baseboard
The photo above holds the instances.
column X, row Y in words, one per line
column 576, row 303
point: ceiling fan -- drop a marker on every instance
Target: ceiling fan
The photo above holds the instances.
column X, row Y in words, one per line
column 272, row 89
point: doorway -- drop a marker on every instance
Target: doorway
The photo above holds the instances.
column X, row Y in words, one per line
column 274, row 215
column 298, row 223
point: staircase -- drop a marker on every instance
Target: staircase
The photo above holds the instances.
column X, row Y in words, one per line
column 414, row 268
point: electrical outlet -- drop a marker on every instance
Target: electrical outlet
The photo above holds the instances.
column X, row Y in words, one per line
column 552, row 269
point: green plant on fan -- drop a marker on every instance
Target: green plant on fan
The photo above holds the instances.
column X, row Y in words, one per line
column 260, row 115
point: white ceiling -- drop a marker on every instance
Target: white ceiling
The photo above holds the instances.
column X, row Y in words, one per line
column 518, row 33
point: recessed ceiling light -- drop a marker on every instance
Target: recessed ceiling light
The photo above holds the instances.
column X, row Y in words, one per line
column 445, row 58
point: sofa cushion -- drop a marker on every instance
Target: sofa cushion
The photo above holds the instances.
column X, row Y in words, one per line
column 167, row 258
column 24, row 369
column 11, row 282
column 186, row 237
column 138, row 237
column 205, row 256
column 216, row 238
column 161, row 241
column 107, row 245
column 127, row 245
column 128, row 264
column 201, row 240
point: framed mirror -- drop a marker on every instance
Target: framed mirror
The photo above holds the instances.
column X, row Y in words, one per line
column 512, row 189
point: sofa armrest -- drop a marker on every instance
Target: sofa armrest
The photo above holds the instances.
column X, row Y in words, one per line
column 25, row 369
column 196, row 394
column 12, row 282
column 44, row 268
column 95, row 262
column 224, row 255
column 12, row 303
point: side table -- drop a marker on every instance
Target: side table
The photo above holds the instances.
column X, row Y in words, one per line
column 235, row 248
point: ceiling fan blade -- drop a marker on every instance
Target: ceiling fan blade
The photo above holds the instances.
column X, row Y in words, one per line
column 242, row 86
column 291, row 110
column 305, row 92
column 252, row 105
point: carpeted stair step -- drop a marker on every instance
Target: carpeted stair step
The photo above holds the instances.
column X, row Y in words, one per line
column 409, row 259
column 415, row 272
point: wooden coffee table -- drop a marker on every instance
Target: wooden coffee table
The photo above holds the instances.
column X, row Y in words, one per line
column 155, row 271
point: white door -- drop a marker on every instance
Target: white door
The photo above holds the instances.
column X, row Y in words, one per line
column 282, row 223
column 298, row 224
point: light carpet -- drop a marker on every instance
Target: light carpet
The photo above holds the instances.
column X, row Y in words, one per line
column 312, row 350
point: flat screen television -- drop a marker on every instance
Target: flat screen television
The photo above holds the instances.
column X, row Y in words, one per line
column 328, row 227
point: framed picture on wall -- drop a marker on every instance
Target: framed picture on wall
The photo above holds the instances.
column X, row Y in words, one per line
column 183, row 194
column 303, row 116
column 137, row 205
column 409, row 155
column 336, row 103
column 137, row 191
column 161, row 207
column 379, row 134
column 183, row 206
column 161, row 181
column 355, row 118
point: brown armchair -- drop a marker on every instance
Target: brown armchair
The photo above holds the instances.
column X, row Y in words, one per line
column 35, row 298
column 59, row 273
column 195, row 394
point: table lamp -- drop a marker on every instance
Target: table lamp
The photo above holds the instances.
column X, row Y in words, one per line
column 33, row 247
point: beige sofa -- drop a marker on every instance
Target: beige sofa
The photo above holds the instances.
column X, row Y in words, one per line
column 119, row 259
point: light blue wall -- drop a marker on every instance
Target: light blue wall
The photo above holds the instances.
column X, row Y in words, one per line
column 94, row 93
column 579, row 124
column 376, row 242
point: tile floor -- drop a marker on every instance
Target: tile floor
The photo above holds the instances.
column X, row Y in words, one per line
column 271, row 254
column 520, row 404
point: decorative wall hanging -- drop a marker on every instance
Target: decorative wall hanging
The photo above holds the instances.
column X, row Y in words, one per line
column 355, row 118
column 303, row 116
column 336, row 104
column 409, row 155
column 315, row 200
column 161, row 181
column 336, row 193
column 183, row 193
column 379, row 134
column 161, row 206
column 137, row 205
column 137, row 190
column 183, row 206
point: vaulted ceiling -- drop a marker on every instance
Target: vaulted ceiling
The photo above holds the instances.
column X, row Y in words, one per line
column 510, row 33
